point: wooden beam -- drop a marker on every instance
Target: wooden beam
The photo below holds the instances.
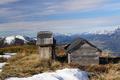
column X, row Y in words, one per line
column 69, row 60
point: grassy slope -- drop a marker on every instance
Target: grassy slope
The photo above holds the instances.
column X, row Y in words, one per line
column 27, row 63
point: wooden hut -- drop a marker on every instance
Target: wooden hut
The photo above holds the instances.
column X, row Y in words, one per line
column 46, row 45
column 82, row 52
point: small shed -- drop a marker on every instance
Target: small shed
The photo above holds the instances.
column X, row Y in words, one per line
column 82, row 52
column 46, row 45
column 112, row 57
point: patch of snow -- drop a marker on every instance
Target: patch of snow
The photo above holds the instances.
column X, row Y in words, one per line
column 12, row 54
column 0, row 70
column 104, row 32
column 5, row 56
column 21, row 37
column 10, row 39
column 35, row 38
column 65, row 34
column 72, row 74
column 2, row 64
column 101, row 32
column 8, row 55
column 65, row 74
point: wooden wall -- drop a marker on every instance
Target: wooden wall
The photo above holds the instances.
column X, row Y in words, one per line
column 44, row 41
column 45, row 53
column 85, row 55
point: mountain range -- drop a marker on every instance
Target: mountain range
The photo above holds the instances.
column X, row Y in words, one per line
column 16, row 40
column 105, row 40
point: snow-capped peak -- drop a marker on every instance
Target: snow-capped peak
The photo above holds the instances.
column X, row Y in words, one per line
column 100, row 32
column 11, row 39
column 20, row 37
column 65, row 34
column 104, row 32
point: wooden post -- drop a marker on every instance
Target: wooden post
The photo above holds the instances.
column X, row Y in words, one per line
column 45, row 43
column 69, row 60
column 45, row 52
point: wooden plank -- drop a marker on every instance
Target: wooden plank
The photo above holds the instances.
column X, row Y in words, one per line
column 44, row 41
column 69, row 59
column 45, row 52
column 86, row 61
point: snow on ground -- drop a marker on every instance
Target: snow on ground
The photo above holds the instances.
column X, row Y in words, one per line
column 0, row 70
column 2, row 64
column 8, row 55
column 5, row 56
column 11, row 54
column 64, row 74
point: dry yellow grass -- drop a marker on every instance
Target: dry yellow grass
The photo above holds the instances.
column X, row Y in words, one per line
column 112, row 72
column 18, row 48
column 27, row 63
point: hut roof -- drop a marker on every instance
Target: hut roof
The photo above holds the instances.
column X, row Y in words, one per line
column 78, row 43
column 44, row 34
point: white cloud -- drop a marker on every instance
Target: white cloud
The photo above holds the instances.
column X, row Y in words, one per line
column 7, row 1
column 64, row 6
column 81, row 4
column 111, row 6
column 70, row 6
column 76, row 25
column 8, row 11
column 24, row 11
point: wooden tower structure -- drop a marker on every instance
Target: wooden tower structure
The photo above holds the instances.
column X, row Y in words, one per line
column 46, row 45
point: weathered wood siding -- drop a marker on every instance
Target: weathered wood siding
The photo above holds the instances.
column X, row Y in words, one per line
column 44, row 38
column 45, row 44
column 44, row 41
column 45, row 52
column 85, row 55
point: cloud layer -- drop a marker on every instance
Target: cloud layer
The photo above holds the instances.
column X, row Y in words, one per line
column 7, row 1
column 59, row 15
column 74, row 26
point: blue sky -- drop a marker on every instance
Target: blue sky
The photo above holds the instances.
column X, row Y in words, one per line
column 59, row 16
